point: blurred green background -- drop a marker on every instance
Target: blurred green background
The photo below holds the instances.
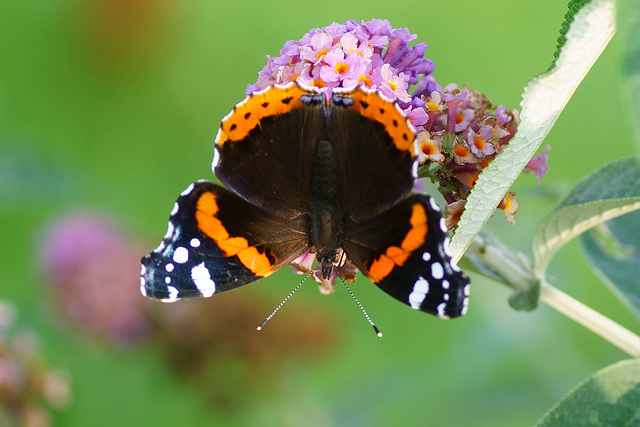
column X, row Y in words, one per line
column 112, row 106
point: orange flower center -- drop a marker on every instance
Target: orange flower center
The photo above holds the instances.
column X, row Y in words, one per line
column 322, row 53
column 366, row 80
column 319, row 83
column 461, row 151
column 341, row 68
column 428, row 148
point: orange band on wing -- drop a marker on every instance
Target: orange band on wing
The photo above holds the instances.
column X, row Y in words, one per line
column 247, row 115
column 397, row 256
column 373, row 106
column 206, row 209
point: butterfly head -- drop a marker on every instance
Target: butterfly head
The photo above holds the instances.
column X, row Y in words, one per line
column 330, row 260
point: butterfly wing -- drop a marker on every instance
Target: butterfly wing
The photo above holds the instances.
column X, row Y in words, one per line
column 374, row 144
column 264, row 150
column 404, row 252
column 216, row 241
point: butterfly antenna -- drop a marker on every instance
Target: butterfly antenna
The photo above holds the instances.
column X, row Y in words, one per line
column 375, row 328
column 273, row 313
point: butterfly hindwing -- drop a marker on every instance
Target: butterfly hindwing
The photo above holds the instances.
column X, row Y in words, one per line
column 216, row 241
column 404, row 252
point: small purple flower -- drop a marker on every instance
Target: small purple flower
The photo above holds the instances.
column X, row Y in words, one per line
column 341, row 67
column 538, row 164
column 481, row 142
column 314, row 52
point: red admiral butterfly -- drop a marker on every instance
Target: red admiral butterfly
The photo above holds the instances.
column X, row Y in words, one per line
column 305, row 172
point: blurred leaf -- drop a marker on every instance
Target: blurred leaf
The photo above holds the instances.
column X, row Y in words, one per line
column 609, row 192
column 543, row 100
column 613, row 251
column 611, row 397
column 629, row 22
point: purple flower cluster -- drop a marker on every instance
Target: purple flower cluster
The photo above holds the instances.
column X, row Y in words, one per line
column 93, row 270
column 463, row 134
column 372, row 54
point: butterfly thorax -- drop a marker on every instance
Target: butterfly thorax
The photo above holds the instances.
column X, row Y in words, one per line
column 325, row 213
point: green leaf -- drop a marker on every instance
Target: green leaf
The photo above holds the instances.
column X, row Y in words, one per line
column 629, row 20
column 574, row 6
column 610, row 397
column 613, row 251
column 543, row 100
column 609, row 192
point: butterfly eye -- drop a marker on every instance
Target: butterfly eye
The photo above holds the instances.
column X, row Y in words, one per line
column 339, row 258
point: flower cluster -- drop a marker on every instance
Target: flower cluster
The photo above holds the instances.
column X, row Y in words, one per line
column 372, row 54
column 463, row 133
column 93, row 269
column 29, row 388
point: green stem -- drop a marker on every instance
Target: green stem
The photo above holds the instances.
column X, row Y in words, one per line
column 613, row 332
column 514, row 270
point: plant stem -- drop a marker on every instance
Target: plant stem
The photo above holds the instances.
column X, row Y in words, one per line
column 616, row 334
column 495, row 260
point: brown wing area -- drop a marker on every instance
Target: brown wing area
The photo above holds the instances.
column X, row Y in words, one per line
column 375, row 146
column 265, row 148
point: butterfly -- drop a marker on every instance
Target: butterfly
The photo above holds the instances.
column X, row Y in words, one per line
column 302, row 171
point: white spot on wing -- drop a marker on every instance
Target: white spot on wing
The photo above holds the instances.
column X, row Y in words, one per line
column 426, row 256
column 434, row 205
column 173, row 295
column 414, row 168
column 175, row 209
column 194, row 243
column 202, row 279
column 181, row 255
column 420, row 291
column 143, row 282
column 446, row 246
column 216, row 159
column 437, row 271
column 440, row 311
column 187, row 190
column 169, row 267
